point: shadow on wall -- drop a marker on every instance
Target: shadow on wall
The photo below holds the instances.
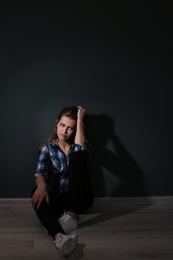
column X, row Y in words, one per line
column 100, row 131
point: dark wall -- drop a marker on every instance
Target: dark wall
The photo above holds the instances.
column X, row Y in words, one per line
column 113, row 59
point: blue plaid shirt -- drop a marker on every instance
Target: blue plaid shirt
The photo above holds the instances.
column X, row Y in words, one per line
column 53, row 164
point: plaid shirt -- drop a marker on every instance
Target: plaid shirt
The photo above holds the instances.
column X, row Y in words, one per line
column 53, row 164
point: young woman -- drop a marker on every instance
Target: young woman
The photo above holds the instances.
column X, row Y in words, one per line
column 63, row 189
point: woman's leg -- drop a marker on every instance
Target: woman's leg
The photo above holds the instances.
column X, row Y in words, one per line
column 80, row 195
column 48, row 214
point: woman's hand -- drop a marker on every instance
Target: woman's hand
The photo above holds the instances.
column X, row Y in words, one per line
column 81, row 113
column 39, row 195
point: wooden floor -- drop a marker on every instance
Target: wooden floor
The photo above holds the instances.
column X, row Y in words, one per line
column 113, row 229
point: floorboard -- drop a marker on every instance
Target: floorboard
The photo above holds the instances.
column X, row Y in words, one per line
column 114, row 228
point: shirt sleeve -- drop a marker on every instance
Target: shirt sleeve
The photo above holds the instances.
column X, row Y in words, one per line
column 85, row 147
column 42, row 162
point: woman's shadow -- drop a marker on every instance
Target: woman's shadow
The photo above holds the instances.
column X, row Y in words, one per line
column 100, row 131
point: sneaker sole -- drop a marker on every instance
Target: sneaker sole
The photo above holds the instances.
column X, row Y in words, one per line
column 69, row 246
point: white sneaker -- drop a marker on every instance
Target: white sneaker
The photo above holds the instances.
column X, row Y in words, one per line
column 66, row 243
column 67, row 222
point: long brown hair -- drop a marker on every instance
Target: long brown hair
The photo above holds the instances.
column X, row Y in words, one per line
column 70, row 112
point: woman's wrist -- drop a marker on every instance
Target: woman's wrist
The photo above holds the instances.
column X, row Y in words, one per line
column 41, row 185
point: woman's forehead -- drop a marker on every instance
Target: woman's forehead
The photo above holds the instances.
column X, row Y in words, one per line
column 67, row 121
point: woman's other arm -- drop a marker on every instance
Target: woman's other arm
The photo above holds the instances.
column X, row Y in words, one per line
column 40, row 193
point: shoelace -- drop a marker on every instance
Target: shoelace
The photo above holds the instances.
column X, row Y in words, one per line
column 58, row 240
column 67, row 220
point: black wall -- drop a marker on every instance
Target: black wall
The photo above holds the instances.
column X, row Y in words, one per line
column 114, row 59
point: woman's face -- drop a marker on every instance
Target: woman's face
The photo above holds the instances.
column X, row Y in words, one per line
column 66, row 128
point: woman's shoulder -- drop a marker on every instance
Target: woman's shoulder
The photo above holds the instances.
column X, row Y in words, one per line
column 43, row 148
column 51, row 146
column 48, row 145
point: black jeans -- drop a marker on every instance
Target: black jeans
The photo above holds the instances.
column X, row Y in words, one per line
column 78, row 199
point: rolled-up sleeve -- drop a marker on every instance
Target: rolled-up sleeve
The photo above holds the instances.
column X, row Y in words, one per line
column 42, row 162
column 85, row 147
